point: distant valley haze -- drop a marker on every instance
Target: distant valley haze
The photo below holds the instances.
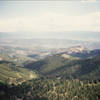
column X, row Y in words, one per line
column 74, row 20
column 72, row 35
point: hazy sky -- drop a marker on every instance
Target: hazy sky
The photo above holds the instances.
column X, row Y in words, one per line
column 50, row 16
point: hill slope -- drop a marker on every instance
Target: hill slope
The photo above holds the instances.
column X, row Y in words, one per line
column 59, row 66
column 80, row 51
column 11, row 73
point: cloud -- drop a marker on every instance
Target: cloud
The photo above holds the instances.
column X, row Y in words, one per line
column 51, row 21
column 88, row 1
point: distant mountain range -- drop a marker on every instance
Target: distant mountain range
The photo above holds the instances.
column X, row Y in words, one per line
column 80, row 51
column 29, row 39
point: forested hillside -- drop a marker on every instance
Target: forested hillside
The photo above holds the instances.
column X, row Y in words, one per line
column 10, row 73
column 67, row 67
column 46, row 89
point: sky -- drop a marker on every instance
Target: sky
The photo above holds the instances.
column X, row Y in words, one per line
column 44, row 17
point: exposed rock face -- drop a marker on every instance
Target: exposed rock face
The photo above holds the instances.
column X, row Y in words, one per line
column 76, row 49
column 1, row 58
